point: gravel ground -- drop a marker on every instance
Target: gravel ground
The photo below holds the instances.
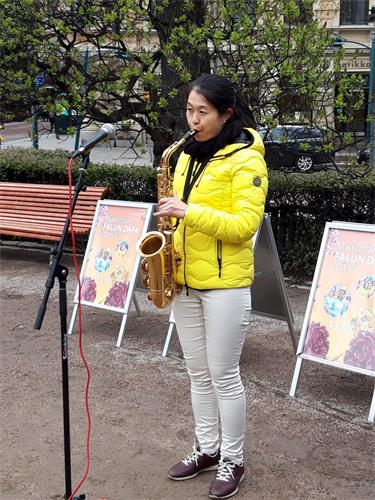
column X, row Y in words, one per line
column 318, row 445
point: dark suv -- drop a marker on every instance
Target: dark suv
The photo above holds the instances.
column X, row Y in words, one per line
column 363, row 156
column 295, row 147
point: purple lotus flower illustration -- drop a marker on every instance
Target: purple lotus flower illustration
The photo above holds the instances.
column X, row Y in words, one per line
column 117, row 294
column 317, row 342
column 88, row 290
column 361, row 352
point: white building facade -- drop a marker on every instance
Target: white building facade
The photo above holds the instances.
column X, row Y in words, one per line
column 349, row 21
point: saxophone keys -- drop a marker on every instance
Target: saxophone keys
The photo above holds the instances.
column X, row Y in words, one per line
column 146, row 281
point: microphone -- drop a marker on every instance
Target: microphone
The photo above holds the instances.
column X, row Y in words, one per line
column 107, row 131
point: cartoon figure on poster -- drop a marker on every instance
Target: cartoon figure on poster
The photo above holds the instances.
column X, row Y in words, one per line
column 366, row 287
column 103, row 260
column 122, row 248
column 363, row 322
column 337, row 301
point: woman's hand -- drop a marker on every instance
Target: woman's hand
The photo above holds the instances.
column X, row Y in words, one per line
column 171, row 207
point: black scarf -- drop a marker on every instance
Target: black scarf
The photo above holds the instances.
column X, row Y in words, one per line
column 201, row 151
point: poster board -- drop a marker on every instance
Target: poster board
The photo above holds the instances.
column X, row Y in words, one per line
column 110, row 264
column 339, row 323
column 269, row 296
column 268, row 292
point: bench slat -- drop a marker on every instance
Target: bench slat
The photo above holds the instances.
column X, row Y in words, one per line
column 10, row 222
column 47, row 211
column 38, row 208
column 43, row 198
column 41, row 229
column 48, row 237
column 26, row 186
column 39, row 211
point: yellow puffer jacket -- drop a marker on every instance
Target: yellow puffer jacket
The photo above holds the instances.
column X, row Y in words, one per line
column 224, row 211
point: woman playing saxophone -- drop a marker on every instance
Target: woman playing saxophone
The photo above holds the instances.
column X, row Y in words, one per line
column 219, row 190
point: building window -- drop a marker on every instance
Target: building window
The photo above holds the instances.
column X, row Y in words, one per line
column 354, row 11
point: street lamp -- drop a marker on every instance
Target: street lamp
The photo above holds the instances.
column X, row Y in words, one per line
column 371, row 97
column 34, row 105
column 338, row 41
column 84, row 93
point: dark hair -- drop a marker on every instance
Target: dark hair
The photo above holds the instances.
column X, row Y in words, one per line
column 223, row 94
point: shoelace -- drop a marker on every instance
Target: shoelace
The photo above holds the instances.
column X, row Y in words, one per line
column 225, row 470
column 192, row 457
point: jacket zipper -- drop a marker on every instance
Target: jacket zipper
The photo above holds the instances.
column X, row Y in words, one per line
column 184, row 247
column 219, row 247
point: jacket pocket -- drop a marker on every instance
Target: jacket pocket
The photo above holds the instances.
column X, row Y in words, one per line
column 219, row 253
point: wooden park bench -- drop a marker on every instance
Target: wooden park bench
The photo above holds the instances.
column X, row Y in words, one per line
column 39, row 211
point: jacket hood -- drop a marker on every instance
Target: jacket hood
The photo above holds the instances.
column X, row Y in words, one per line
column 249, row 137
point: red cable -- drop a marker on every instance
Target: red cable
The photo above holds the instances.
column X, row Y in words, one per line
column 76, row 268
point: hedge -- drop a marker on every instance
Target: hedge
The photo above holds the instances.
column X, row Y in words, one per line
column 299, row 204
column 51, row 167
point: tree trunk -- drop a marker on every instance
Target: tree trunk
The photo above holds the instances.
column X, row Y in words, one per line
column 172, row 121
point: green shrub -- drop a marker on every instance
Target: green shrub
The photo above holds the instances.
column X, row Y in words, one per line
column 301, row 204
column 131, row 183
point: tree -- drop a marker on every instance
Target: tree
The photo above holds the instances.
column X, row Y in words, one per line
column 143, row 53
column 19, row 62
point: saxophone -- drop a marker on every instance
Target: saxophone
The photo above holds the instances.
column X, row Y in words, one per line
column 158, row 267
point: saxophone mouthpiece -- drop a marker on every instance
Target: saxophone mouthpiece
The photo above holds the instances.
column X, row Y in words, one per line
column 188, row 135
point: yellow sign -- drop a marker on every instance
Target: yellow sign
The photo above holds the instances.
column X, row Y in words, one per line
column 358, row 64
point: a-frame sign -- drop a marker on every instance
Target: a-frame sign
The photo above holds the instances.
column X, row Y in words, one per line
column 268, row 292
column 339, row 325
column 110, row 266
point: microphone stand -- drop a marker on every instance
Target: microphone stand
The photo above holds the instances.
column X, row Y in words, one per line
column 61, row 273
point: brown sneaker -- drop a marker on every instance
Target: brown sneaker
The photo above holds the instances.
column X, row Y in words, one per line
column 227, row 480
column 194, row 464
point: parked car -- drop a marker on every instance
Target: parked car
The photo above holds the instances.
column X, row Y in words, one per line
column 295, row 147
column 363, row 156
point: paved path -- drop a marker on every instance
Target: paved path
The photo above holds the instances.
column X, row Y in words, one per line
column 17, row 134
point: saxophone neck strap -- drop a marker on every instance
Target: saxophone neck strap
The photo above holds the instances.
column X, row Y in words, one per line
column 195, row 170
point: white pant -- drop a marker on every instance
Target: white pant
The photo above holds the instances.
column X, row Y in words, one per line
column 211, row 326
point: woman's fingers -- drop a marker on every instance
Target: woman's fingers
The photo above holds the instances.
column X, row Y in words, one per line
column 173, row 207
